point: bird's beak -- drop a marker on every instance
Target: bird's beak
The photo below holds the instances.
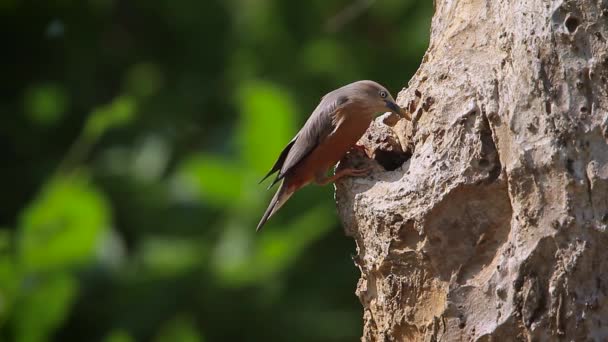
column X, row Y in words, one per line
column 397, row 110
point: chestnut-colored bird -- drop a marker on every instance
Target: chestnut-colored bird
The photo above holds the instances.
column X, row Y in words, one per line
column 335, row 126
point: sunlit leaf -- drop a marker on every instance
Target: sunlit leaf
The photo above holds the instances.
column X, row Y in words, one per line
column 116, row 114
column 267, row 123
column 180, row 329
column 43, row 306
column 61, row 227
column 216, row 180
column 45, row 103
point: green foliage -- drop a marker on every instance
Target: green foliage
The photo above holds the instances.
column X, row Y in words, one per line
column 264, row 108
column 58, row 232
column 118, row 336
column 279, row 249
column 116, row 114
column 45, row 104
column 135, row 134
column 60, row 229
column 144, row 80
column 179, row 329
column 214, row 180
column 168, row 257
column 9, row 277
column 328, row 57
column 43, row 306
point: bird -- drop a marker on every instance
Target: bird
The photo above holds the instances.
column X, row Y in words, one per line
column 334, row 127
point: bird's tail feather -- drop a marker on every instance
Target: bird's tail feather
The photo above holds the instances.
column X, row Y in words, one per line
column 280, row 197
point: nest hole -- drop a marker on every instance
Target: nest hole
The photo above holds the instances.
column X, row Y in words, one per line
column 572, row 23
column 392, row 160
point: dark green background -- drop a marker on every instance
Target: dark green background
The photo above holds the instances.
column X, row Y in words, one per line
column 133, row 135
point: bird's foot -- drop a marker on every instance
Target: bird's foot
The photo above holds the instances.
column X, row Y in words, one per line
column 361, row 148
column 350, row 172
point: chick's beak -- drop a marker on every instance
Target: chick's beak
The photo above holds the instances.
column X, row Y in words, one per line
column 397, row 110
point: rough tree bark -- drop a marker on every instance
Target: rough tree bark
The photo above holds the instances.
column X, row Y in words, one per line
column 486, row 218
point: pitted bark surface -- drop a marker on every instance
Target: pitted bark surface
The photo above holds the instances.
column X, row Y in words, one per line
column 485, row 218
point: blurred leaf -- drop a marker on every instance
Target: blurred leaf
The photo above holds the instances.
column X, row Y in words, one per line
column 111, row 249
column 144, row 80
column 149, row 160
column 9, row 278
column 45, row 103
column 62, row 225
column 43, row 307
column 180, row 329
column 417, row 34
column 116, row 114
column 327, row 57
column 233, row 256
column 119, row 336
column 171, row 256
column 267, row 123
column 279, row 248
column 257, row 20
column 243, row 65
column 5, row 241
column 243, row 258
column 392, row 8
column 217, row 181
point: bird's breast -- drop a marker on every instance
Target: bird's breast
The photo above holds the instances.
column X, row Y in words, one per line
column 349, row 130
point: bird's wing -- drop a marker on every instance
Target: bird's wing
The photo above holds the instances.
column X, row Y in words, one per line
column 321, row 124
column 281, row 159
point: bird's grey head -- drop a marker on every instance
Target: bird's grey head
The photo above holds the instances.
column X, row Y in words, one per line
column 377, row 97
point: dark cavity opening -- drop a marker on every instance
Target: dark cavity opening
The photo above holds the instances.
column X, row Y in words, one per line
column 391, row 160
column 572, row 24
column 570, row 166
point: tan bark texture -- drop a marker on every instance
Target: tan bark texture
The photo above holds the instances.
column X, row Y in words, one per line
column 486, row 217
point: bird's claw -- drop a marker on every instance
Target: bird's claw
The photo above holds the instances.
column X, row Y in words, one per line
column 362, row 149
column 358, row 172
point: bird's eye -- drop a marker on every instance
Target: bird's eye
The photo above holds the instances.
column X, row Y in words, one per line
column 383, row 94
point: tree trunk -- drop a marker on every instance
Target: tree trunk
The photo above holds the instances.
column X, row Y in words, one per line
column 486, row 218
